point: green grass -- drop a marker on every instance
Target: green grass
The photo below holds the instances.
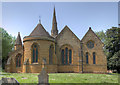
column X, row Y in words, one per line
column 64, row 77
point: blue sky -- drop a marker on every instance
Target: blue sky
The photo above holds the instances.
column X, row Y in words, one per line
column 78, row 16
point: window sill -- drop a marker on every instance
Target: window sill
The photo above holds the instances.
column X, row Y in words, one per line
column 34, row 63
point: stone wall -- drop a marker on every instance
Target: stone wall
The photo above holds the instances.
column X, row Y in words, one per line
column 67, row 39
column 43, row 52
column 101, row 62
column 12, row 66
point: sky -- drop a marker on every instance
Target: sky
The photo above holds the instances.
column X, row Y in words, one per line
column 119, row 13
column 23, row 17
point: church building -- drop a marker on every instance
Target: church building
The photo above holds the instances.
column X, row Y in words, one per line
column 58, row 53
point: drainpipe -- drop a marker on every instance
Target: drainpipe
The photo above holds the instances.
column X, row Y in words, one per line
column 81, row 44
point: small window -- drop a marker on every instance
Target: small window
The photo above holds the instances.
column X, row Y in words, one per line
column 90, row 44
column 35, row 54
column 66, row 55
column 70, row 56
column 18, row 60
column 94, row 58
column 62, row 54
column 86, row 57
column 51, row 52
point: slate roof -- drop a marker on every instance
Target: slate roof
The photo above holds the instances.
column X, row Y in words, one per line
column 39, row 31
column 18, row 40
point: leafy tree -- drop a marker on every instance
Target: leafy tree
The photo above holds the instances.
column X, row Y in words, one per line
column 7, row 45
column 112, row 46
column 101, row 35
column 114, row 61
column 111, row 40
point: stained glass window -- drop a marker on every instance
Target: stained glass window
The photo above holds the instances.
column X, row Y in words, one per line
column 18, row 60
column 94, row 58
column 35, row 53
column 70, row 56
column 90, row 44
column 62, row 54
column 66, row 55
column 86, row 57
column 51, row 52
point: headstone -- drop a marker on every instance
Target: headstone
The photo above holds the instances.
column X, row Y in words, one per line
column 43, row 78
column 9, row 81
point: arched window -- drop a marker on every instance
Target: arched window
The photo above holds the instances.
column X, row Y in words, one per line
column 18, row 60
column 70, row 56
column 94, row 58
column 62, row 54
column 66, row 55
column 35, row 53
column 86, row 57
column 51, row 52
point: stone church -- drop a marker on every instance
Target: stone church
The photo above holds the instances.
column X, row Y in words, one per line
column 59, row 52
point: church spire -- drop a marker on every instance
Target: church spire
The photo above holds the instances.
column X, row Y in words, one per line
column 18, row 42
column 54, row 31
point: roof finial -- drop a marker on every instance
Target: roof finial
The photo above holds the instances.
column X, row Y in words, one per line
column 90, row 28
column 39, row 20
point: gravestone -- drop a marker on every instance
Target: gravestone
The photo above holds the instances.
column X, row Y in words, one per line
column 9, row 81
column 43, row 78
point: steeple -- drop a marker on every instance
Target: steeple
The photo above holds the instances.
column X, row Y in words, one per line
column 54, row 31
column 18, row 42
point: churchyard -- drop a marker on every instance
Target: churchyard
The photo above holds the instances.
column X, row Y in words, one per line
column 63, row 77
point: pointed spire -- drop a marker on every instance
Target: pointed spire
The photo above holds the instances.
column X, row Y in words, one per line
column 54, row 31
column 18, row 40
column 54, row 16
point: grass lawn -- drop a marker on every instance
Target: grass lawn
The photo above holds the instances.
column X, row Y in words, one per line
column 64, row 77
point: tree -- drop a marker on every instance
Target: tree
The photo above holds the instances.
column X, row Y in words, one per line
column 7, row 45
column 111, row 40
column 101, row 35
column 115, row 61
